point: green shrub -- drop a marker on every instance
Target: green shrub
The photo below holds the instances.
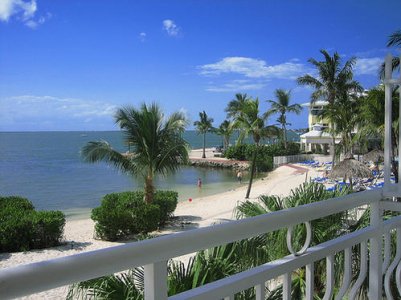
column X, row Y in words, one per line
column 15, row 202
column 167, row 202
column 237, row 152
column 22, row 228
column 264, row 159
column 49, row 227
column 124, row 214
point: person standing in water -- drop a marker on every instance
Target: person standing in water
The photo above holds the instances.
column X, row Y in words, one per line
column 199, row 183
column 239, row 176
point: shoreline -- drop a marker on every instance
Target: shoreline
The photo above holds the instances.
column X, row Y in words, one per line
column 200, row 212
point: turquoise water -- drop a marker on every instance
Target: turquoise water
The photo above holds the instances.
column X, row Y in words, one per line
column 46, row 167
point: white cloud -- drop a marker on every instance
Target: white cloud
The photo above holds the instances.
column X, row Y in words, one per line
column 19, row 110
column 368, row 66
column 142, row 36
column 9, row 8
column 23, row 11
column 254, row 68
column 236, row 86
column 171, row 28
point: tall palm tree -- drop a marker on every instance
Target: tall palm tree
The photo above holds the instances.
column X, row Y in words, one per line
column 332, row 80
column 234, row 110
column 282, row 106
column 372, row 113
column 235, row 106
column 252, row 123
column 395, row 40
column 225, row 130
column 203, row 126
column 157, row 143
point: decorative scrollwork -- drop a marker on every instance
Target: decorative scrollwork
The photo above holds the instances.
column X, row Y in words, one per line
column 307, row 240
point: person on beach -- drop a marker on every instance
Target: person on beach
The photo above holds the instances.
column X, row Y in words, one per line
column 199, row 183
column 239, row 176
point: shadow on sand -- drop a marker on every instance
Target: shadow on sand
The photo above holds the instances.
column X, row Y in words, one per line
column 182, row 223
column 4, row 256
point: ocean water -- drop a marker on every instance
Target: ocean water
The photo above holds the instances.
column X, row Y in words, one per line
column 46, row 168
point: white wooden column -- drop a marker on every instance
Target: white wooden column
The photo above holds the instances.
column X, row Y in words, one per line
column 376, row 258
column 156, row 281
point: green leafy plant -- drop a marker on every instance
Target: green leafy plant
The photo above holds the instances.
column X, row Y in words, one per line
column 22, row 228
column 123, row 214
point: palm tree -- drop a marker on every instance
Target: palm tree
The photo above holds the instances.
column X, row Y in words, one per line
column 393, row 40
column 235, row 106
column 225, row 130
column 332, row 81
column 234, row 110
column 345, row 114
column 157, row 143
column 203, row 126
column 371, row 116
column 251, row 122
column 282, row 106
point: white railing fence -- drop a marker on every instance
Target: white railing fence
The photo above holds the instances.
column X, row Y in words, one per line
column 373, row 242
column 154, row 254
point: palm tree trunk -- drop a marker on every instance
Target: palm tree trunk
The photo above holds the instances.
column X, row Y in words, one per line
column 333, row 136
column 204, row 145
column 285, row 136
column 149, row 189
column 253, row 166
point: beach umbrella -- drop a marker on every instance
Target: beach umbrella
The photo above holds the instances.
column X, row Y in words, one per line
column 374, row 155
column 350, row 168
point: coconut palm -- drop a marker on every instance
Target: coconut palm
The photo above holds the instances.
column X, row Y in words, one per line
column 234, row 110
column 225, row 130
column 253, row 123
column 235, row 106
column 345, row 114
column 157, row 143
column 333, row 80
column 282, row 106
column 372, row 114
column 203, row 126
column 394, row 40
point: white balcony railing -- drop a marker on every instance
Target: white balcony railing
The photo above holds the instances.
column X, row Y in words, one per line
column 153, row 254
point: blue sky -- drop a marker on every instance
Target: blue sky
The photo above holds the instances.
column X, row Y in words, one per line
column 67, row 65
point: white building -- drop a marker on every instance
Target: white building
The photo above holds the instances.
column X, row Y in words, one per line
column 317, row 139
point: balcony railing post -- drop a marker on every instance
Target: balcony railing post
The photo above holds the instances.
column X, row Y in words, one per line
column 156, row 281
column 376, row 257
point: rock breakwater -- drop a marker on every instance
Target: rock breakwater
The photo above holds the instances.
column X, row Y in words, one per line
column 219, row 163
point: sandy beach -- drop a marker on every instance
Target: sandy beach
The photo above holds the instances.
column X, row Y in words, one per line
column 199, row 212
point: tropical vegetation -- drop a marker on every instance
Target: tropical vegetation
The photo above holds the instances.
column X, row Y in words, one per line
column 122, row 215
column 225, row 130
column 334, row 83
column 203, row 126
column 222, row 261
column 282, row 106
column 23, row 228
column 158, row 145
column 248, row 117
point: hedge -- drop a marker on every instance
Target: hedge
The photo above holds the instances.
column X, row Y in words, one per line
column 265, row 154
column 123, row 214
column 22, row 228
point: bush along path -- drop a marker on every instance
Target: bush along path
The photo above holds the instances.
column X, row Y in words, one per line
column 22, row 228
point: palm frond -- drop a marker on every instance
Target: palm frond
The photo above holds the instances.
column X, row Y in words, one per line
column 102, row 151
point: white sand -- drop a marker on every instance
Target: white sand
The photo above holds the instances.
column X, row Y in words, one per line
column 200, row 212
